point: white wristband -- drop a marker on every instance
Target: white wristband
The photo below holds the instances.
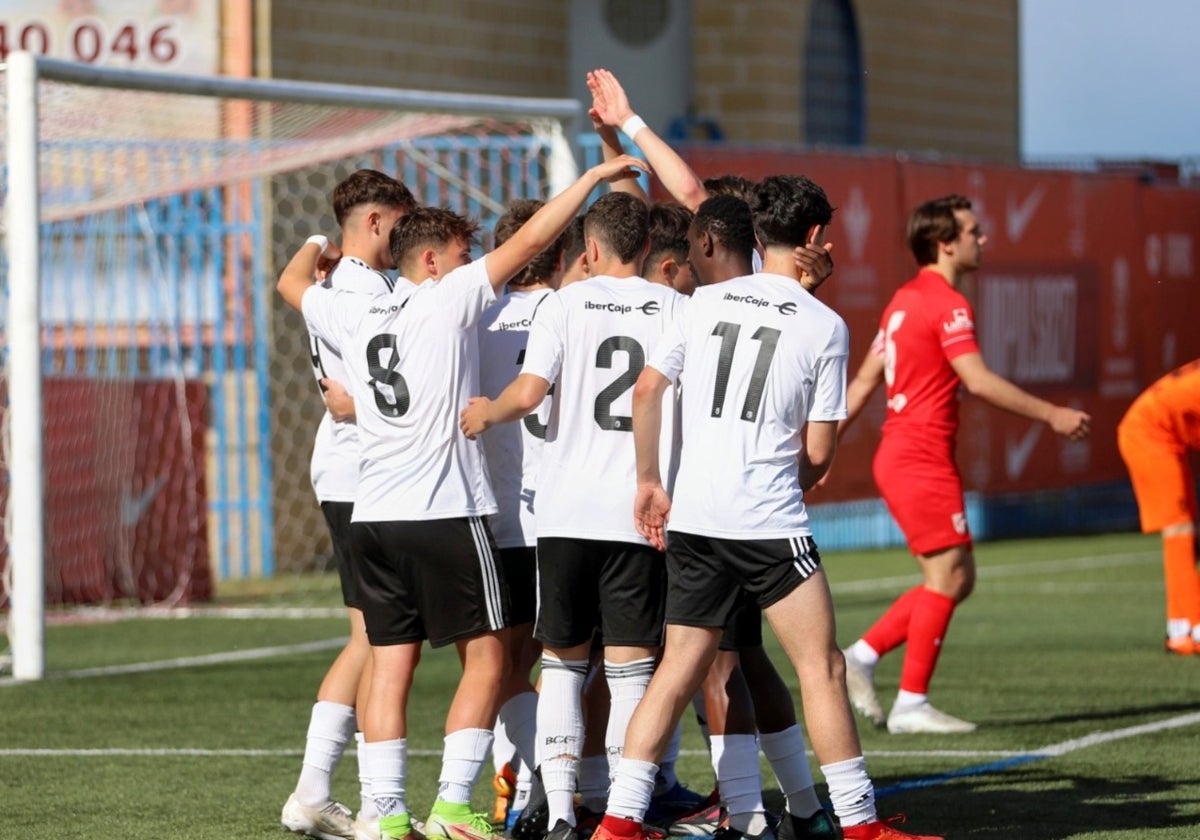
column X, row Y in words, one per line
column 320, row 240
column 632, row 126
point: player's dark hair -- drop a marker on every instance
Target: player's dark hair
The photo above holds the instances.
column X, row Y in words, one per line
column 727, row 219
column 785, row 208
column 932, row 223
column 620, row 223
column 429, row 227
column 576, row 241
column 368, row 186
column 668, row 223
column 541, row 268
column 736, row 185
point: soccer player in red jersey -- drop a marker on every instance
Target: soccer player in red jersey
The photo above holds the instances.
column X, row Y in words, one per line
column 924, row 350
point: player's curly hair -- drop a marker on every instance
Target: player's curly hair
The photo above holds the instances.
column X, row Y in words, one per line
column 727, row 219
column 429, row 227
column 369, row 186
column 785, row 208
column 932, row 223
column 541, row 269
column 668, row 222
column 620, row 223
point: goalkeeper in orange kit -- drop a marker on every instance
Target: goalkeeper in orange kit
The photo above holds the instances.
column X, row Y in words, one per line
column 1155, row 436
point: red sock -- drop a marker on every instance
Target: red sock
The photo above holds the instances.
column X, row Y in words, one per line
column 891, row 629
column 930, row 617
column 621, row 826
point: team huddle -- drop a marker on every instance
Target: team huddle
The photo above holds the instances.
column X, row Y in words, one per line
column 588, row 449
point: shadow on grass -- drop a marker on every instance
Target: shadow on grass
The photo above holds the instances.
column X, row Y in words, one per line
column 1107, row 714
column 1035, row 803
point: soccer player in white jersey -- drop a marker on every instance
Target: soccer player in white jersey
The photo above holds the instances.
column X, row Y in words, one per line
column 427, row 568
column 590, row 342
column 514, row 454
column 743, row 692
column 366, row 206
column 765, row 367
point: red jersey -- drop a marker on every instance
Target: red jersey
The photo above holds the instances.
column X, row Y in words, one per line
column 925, row 325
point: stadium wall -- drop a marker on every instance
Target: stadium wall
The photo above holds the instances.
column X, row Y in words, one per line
column 1088, row 293
column 939, row 75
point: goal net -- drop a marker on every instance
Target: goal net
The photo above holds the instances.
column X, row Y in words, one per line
column 157, row 403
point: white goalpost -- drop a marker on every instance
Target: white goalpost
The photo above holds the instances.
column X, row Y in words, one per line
column 156, row 404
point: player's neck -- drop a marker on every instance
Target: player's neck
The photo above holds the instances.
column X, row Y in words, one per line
column 615, row 268
column 360, row 250
column 948, row 272
column 780, row 260
column 731, row 266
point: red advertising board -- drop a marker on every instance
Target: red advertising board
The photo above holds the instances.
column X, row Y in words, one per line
column 125, row 491
column 1089, row 291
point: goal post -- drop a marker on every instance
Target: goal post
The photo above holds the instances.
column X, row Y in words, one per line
column 157, row 410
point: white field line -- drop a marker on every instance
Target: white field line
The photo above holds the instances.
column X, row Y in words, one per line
column 191, row 661
column 153, row 752
column 1044, row 567
column 876, row 584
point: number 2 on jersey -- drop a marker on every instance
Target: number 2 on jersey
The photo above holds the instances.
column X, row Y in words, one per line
column 728, row 333
column 391, row 391
column 602, row 411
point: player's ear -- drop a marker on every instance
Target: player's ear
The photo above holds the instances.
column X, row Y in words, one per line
column 429, row 263
column 668, row 268
column 706, row 243
column 816, row 235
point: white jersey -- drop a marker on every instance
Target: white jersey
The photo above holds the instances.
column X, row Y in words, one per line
column 334, row 466
column 412, row 358
column 759, row 357
column 513, row 450
column 591, row 341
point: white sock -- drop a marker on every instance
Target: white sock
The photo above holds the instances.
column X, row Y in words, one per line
column 386, row 763
column 626, row 684
column 463, row 756
column 735, row 761
column 519, row 716
column 330, row 728
column 632, row 786
column 504, row 751
column 906, row 700
column 864, row 654
column 850, row 791
column 594, row 782
column 366, row 807
column 524, row 787
column 667, row 778
column 560, row 732
column 786, row 753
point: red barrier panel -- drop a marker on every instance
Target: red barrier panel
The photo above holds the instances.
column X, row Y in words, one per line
column 1088, row 292
column 126, row 508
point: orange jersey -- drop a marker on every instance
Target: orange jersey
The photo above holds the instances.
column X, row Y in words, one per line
column 1171, row 407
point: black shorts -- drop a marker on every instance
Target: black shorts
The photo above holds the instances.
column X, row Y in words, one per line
column 337, row 517
column 705, row 574
column 520, row 572
column 435, row 579
column 584, row 584
column 744, row 627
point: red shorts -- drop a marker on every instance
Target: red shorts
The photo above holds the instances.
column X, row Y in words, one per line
column 923, row 491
